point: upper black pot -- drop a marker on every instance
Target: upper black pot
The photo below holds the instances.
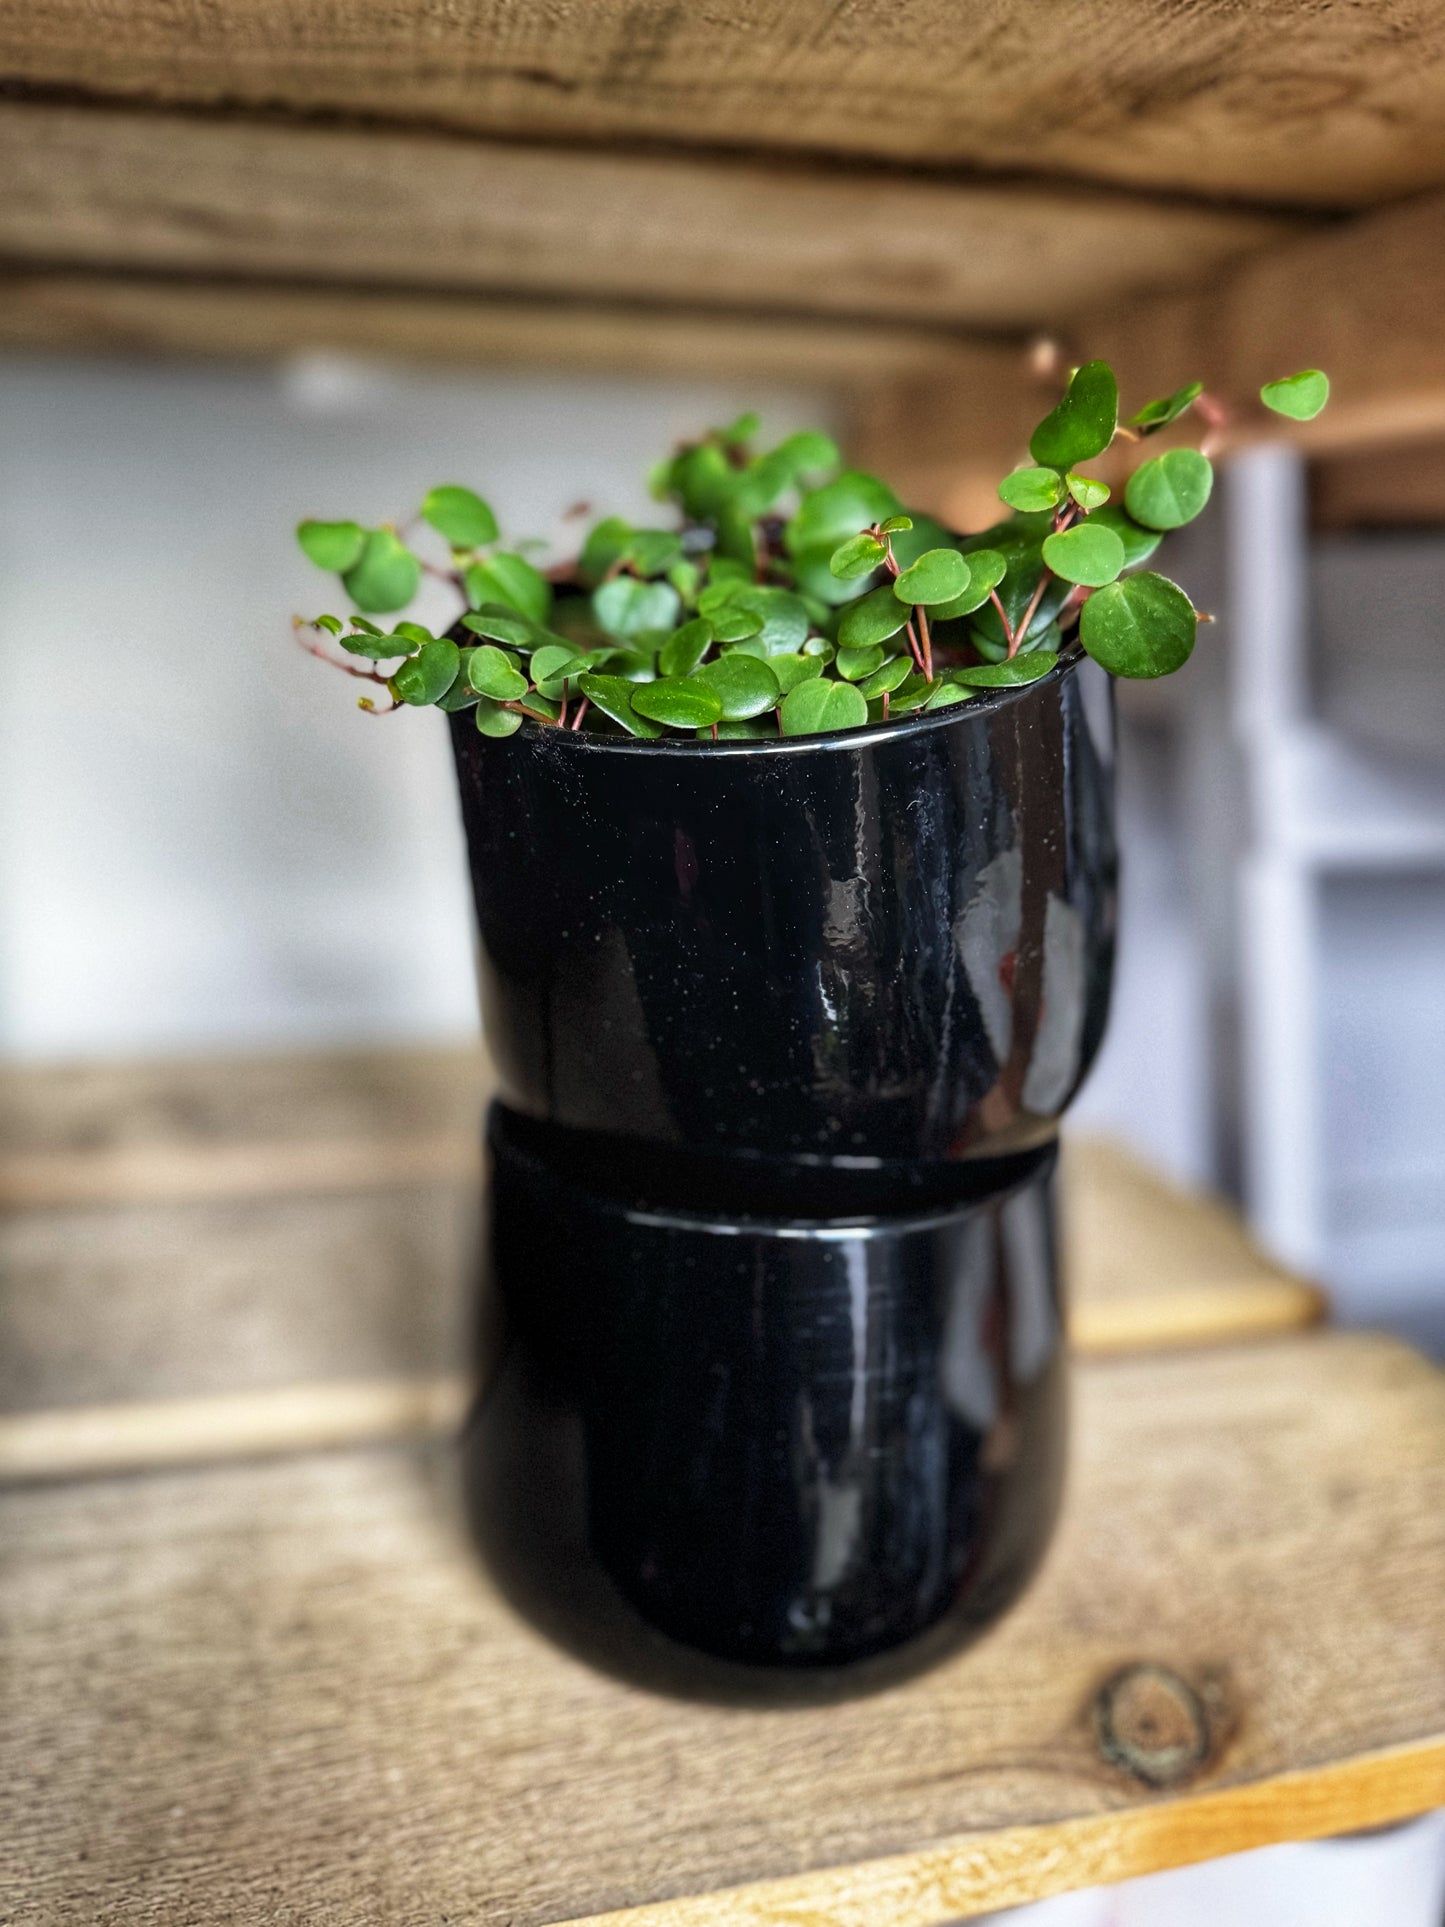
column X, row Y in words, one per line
column 891, row 944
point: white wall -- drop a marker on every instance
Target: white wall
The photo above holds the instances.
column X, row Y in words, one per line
column 206, row 846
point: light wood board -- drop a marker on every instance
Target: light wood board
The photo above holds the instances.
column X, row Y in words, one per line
column 1278, row 101
column 283, row 1691
column 186, row 194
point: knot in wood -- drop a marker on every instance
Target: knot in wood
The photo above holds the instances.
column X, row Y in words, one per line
column 1153, row 1724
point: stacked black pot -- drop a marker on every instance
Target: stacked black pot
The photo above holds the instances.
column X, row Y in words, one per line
column 772, row 1380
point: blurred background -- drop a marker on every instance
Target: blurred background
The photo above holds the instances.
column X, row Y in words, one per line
column 277, row 261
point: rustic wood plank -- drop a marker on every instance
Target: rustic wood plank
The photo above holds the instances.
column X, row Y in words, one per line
column 1316, row 104
column 1397, row 487
column 285, row 1687
column 184, row 194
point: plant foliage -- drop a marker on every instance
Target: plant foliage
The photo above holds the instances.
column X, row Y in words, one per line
column 781, row 594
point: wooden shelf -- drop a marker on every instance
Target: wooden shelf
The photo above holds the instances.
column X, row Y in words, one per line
column 283, row 1689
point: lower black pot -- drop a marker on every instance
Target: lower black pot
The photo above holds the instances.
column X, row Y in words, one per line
column 759, row 1458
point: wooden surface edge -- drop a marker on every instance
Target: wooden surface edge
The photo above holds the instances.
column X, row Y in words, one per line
column 1211, row 1315
column 982, row 1871
column 91, row 1441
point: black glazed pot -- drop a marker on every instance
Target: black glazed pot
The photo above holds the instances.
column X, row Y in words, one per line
column 755, row 1458
column 886, row 946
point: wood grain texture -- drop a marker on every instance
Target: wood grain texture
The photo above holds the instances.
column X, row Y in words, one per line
column 284, row 1691
column 191, row 195
column 1278, row 101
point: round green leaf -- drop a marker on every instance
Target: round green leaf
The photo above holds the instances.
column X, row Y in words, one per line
column 685, row 648
column 874, row 618
column 897, row 525
column 1030, row 489
column 701, row 477
column 896, row 670
column 1004, row 675
column 461, row 516
column 555, row 661
column 461, row 695
column 1139, row 544
column 1085, row 554
column 385, row 576
column 682, row 702
column 502, row 625
column 1155, row 415
column 653, row 551
column 807, row 451
column 912, row 694
column 855, row 664
column 947, row 694
column 792, row 670
column 816, row 706
column 744, row 685
column 1086, row 490
column 492, row 721
column 493, row 672
column 1143, row 625
column 986, row 569
column 859, row 555
column 1300, row 396
column 335, row 546
column 429, row 674
column 777, row 617
column 1171, row 490
column 731, row 622
column 829, row 515
column 1082, row 425
column 512, row 581
column 606, row 544
column 939, row 575
column 613, row 696
column 626, row 607
column 376, row 648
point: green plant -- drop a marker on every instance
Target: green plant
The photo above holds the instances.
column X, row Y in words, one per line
column 792, row 596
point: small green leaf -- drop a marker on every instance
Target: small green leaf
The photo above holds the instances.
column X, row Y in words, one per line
column 816, row 706
column 1030, row 489
column 685, row 648
column 731, row 622
column 897, row 525
column 412, row 632
column 701, row 478
column 613, row 696
column 626, row 607
column 1170, row 490
column 492, row 721
column 333, row 625
column 502, row 625
column 335, row 546
column 376, row 647
column 939, row 575
column 653, row 551
column 1155, row 415
column 859, row 555
column 875, row 618
column 494, row 672
column 511, row 580
column 461, row 695
column 744, row 685
column 555, row 661
column 986, row 569
column 829, row 515
column 808, row 451
column 1005, row 675
column 1085, row 554
column 947, row 694
column 896, row 670
column 735, row 535
column 1086, row 490
column 461, row 516
column 1142, row 626
column 1082, row 425
column 1300, row 397
column 781, row 617
column 1139, row 544
column 856, row 664
column 742, row 430
column 385, row 576
column 680, row 702
column 605, row 544
column 792, row 670
column 912, row 694
column 429, row 674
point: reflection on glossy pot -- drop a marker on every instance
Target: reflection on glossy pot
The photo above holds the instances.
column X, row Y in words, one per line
column 892, row 944
column 746, row 1456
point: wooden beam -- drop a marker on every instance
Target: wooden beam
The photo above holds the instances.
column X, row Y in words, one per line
column 1280, row 102
column 195, row 195
column 1395, row 487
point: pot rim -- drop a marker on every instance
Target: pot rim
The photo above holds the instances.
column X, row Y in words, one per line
column 987, row 703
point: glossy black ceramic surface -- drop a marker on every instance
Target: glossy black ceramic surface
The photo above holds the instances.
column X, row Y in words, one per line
column 755, row 1458
column 893, row 944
